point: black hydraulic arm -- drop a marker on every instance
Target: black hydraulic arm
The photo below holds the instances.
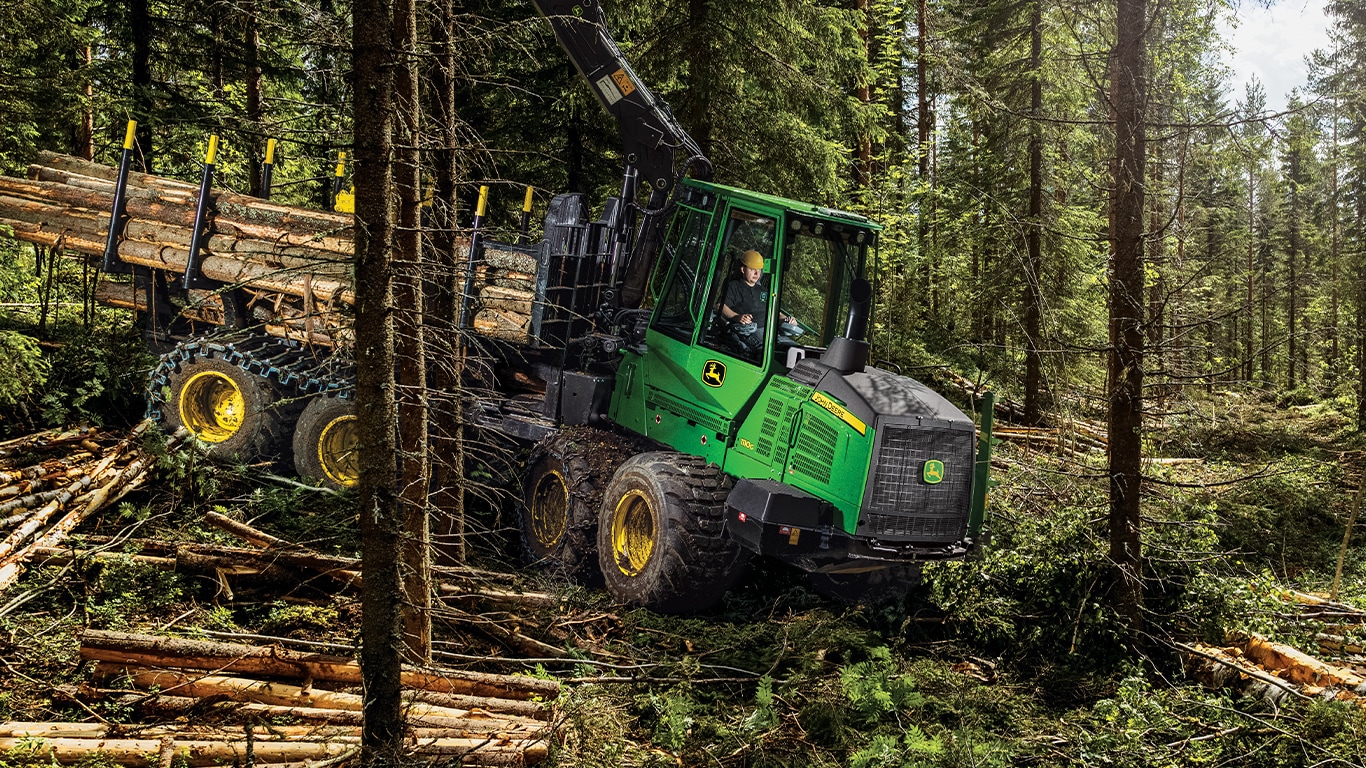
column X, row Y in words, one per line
column 656, row 146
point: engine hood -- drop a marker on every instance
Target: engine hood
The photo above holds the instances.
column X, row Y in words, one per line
column 876, row 395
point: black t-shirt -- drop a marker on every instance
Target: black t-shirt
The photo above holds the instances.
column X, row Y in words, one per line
column 745, row 299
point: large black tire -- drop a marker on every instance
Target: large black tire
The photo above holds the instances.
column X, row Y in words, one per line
column 326, row 442
column 237, row 414
column 558, row 516
column 662, row 542
column 884, row 585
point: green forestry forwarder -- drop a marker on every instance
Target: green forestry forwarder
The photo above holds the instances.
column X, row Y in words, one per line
column 671, row 439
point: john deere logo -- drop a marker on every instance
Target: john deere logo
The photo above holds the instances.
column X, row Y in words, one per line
column 714, row 373
column 933, row 472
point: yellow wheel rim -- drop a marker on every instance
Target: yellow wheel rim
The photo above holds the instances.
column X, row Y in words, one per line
column 337, row 443
column 549, row 509
column 212, row 406
column 633, row 533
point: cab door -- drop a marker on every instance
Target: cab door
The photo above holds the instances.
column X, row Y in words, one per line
column 698, row 374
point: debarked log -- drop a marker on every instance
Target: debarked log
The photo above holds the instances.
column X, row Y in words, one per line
column 285, row 695
column 277, row 661
column 206, row 752
column 169, row 257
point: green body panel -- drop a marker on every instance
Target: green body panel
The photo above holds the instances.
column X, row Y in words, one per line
column 791, row 438
column 689, row 397
column 628, row 402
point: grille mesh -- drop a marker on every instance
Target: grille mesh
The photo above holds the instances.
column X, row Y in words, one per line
column 900, row 504
column 768, row 431
column 815, row 454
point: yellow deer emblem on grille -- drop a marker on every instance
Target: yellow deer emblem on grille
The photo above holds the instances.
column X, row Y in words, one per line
column 933, row 472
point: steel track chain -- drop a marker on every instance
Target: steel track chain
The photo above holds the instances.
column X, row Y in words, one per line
column 294, row 371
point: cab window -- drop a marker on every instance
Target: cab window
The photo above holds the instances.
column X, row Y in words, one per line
column 820, row 261
column 738, row 297
column 680, row 303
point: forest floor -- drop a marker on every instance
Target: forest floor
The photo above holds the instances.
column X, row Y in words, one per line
column 1013, row 658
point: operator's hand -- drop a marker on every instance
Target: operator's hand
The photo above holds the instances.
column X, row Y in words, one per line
column 745, row 319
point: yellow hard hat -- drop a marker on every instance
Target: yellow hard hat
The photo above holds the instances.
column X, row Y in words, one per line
column 752, row 260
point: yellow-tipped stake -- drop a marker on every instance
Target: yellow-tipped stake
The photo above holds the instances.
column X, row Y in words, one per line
column 194, row 277
column 524, row 226
column 337, row 178
column 118, row 215
column 476, row 247
column 268, row 170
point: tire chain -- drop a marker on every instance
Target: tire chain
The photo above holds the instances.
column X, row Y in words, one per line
column 623, row 447
column 295, row 371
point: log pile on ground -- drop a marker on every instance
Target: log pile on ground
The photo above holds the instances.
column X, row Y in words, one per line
column 1266, row 669
column 482, row 719
column 1259, row 667
column 51, row 483
column 246, row 691
column 293, row 263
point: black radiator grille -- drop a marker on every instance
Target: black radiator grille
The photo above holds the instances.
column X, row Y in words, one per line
column 900, row 504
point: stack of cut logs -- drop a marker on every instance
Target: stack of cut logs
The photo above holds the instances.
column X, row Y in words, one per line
column 67, row 476
column 1262, row 668
column 480, row 719
column 292, row 263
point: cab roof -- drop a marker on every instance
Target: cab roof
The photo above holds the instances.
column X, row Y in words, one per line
column 773, row 201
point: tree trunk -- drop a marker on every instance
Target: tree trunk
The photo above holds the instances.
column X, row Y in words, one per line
column 140, row 22
column 253, row 89
column 85, row 132
column 1292, row 261
column 1249, row 348
column 1334, row 256
column 1033, row 293
column 863, row 168
column 381, row 520
column 1128, row 92
column 1156, row 256
column 410, row 348
column 924, row 121
column 448, row 496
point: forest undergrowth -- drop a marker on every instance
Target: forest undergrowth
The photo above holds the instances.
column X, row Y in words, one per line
column 1012, row 658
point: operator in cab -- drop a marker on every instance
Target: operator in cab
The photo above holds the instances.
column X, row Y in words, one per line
column 744, row 305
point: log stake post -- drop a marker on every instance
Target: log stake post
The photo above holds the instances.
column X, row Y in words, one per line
column 194, row 275
column 1347, row 538
column 524, row 225
column 337, row 180
column 476, row 244
column 268, row 169
column 118, row 216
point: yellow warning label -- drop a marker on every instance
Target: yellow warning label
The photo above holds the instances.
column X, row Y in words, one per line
column 840, row 412
column 623, row 82
column 794, row 536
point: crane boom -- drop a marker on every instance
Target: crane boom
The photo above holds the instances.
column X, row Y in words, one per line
column 655, row 145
